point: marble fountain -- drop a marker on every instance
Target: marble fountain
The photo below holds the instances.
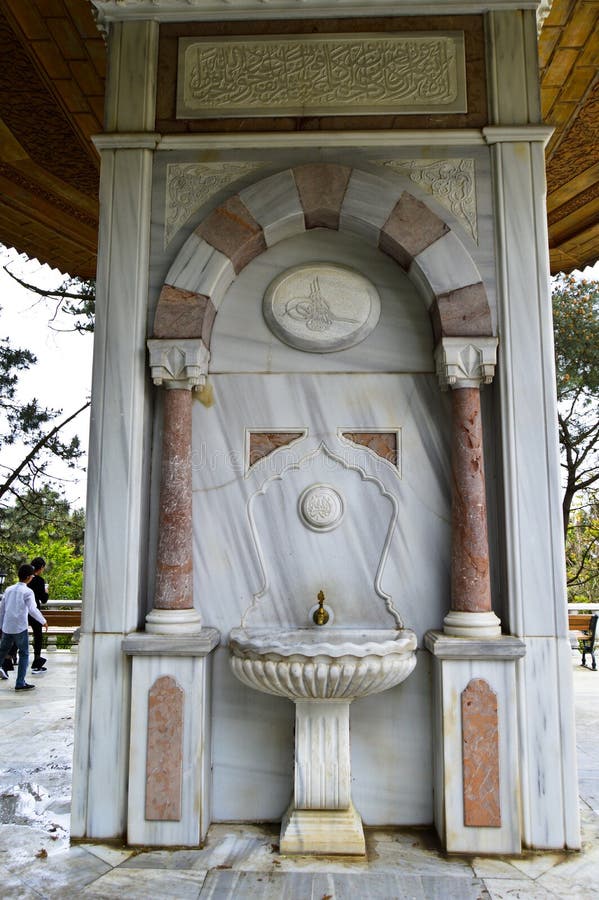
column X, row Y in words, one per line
column 322, row 669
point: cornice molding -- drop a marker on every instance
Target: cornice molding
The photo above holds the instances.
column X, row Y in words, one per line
column 468, row 137
column 512, row 134
column 207, row 10
column 126, row 140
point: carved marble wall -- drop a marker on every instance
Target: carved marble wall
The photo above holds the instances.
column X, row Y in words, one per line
column 320, row 399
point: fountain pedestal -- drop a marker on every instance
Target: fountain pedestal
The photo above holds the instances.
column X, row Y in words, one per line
column 322, row 672
column 322, row 818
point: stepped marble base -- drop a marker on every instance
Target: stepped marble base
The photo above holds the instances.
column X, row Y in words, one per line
column 324, row 832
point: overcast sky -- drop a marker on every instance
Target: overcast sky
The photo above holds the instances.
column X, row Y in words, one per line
column 61, row 378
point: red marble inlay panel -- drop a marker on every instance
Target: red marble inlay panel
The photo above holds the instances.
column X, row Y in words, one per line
column 321, row 188
column 480, row 755
column 462, row 312
column 410, row 229
column 180, row 313
column 164, row 760
column 262, row 444
column 232, row 229
column 384, row 444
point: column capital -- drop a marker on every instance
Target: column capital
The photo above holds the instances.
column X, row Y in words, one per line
column 465, row 361
column 179, row 362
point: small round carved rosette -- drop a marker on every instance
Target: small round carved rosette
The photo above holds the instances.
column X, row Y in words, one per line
column 321, row 307
column 321, row 507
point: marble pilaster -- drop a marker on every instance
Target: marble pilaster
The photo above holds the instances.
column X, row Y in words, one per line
column 534, row 550
column 116, row 508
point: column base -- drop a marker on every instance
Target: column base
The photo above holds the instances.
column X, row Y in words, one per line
column 170, row 771
column 477, row 793
column 173, row 621
column 459, row 623
column 323, row 832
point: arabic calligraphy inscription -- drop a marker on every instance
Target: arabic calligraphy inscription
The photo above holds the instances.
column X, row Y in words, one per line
column 360, row 74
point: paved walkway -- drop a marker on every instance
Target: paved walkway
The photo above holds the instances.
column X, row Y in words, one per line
column 242, row 861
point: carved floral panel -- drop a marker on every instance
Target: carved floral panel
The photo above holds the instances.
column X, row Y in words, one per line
column 190, row 185
column 450, row 181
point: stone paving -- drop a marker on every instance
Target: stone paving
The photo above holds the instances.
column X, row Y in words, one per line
column 242, row 861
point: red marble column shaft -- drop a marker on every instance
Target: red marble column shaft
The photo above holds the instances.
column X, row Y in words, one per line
column 174, row 567
column 470, row 582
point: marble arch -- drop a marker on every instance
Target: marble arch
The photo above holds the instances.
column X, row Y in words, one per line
column 322, row 196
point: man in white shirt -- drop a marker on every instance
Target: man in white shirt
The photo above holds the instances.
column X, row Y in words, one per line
column 17, row 605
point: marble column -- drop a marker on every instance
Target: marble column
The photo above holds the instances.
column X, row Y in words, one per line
column 463, row 364
column 179, row 366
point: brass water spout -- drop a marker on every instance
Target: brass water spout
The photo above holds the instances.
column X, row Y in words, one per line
column 321, row 616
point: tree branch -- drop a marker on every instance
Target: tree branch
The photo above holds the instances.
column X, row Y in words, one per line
column 37, row 447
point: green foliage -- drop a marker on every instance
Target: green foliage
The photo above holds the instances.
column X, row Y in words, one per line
column 582, row 552
column 64, row 568
column 21, row 524
column 79, row 301
column 576, row 328
column 63, row 641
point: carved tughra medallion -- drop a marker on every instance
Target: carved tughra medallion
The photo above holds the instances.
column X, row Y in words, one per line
column 321, row 507
column 321, row 307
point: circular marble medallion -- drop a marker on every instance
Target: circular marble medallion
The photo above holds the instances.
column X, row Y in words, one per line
column 321, row 507
column 321, row 307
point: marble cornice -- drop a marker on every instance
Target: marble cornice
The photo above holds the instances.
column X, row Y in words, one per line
column 126, row 140
column 511, row 134
column 396, row 139
column 200, row 644
column 207, row 10
column 448, row 647
column 466, row 137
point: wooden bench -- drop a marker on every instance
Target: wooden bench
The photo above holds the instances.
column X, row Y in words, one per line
column 583, row 628
column 62, row 622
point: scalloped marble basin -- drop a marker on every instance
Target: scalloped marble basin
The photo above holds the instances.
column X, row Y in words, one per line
column 322, row 663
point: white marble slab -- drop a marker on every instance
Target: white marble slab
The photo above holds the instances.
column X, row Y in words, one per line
column 549, row 773
column 252, row 750
column 102, row 739
column 200, row 268
column 275, row 204
column 392, row 751
column 446, row 265
column 402, row 340
column 227, row 564
column 367, row 204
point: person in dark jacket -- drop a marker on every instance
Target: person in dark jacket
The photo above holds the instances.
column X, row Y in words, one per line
column 38, row 586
